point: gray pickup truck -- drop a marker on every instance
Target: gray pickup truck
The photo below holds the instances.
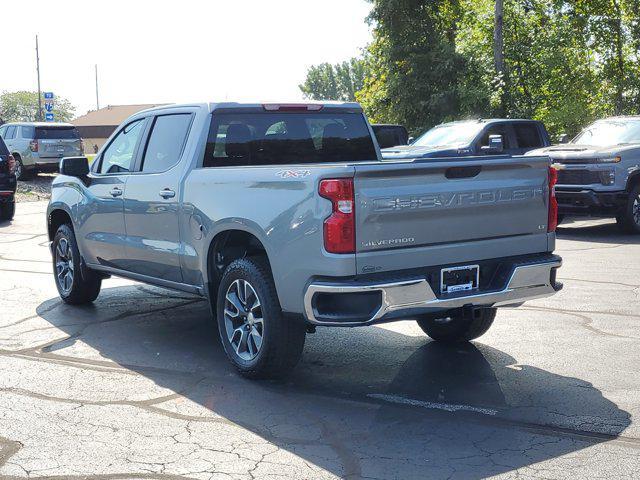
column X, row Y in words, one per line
column 599, row 172
column 285, row 218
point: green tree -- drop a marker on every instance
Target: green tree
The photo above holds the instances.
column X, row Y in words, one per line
column 415, row 75
column 22, row 106
column 334, row 82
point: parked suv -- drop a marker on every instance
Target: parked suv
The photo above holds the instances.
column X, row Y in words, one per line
column 285, row 218
column 38, row 147
column 599, row 172
column 474, row 137
column 7, row 183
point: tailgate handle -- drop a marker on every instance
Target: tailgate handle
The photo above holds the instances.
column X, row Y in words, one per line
column 462, row 172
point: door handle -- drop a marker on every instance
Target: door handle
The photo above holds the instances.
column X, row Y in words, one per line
column 116, row 192
column 167, row 193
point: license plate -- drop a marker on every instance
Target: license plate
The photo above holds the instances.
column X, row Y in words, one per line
column 459, row 279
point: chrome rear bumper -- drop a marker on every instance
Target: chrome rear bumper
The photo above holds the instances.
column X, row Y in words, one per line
column 527, row 282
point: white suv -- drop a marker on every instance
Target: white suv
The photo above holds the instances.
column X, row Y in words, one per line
column 38, row 147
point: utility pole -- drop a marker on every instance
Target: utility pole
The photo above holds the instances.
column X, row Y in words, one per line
column 97, row 98
column 498, row 50
column 38, row 71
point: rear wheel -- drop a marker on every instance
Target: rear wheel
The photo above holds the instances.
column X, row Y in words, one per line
column 21, row 172
column 257, row 338
column 7, row 211
column 629, row 218
column 459, row 327
column 76, row 286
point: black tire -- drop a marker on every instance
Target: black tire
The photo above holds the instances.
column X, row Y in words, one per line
column 21, row 172
column 458, row 328
column 7, row 211
column 629, row 219
column 281, row 338
column 83, row 286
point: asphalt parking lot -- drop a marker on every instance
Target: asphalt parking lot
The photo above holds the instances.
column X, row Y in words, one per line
column 137, row 386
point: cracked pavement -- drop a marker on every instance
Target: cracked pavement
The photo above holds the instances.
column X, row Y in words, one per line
column 137, row 386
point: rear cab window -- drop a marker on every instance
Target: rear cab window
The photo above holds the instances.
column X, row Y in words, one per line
column 57, row 133
column 281, row 138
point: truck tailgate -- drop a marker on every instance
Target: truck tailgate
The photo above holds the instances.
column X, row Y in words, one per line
column 430, row 212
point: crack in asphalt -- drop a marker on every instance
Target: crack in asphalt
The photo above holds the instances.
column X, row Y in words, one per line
column 349, row 460
column 603, row 282
column 586, row 322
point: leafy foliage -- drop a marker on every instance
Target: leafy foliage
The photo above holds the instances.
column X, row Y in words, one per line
column 334, row 82
column 23, row 107
column 566, row 61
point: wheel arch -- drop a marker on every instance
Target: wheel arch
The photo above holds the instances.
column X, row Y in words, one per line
column 227, row 246
column 633, row 180
column 55, row 218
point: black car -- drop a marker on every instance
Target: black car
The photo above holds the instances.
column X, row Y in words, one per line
column 7, row 183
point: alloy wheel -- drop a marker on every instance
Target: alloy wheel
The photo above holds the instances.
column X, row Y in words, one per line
column 64, row 265
column 636, row 210
column 243, row 320
column 18, row 170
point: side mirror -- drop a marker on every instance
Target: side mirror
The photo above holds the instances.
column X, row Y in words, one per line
column 496, row 145
column 564, row 138
column 410, row 141
column 74, row 166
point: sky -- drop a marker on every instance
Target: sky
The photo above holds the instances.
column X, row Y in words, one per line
column 175, row 51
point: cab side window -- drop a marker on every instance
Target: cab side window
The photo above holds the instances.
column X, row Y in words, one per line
column 118, row 156
column 496, row 130
column 527, row 135
column 166, row 142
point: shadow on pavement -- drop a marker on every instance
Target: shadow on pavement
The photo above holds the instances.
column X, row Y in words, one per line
column 603, row 231
column 167, row 338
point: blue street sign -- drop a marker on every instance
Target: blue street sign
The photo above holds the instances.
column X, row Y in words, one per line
column 48, row 106
column 48, row 95
column 48, row 117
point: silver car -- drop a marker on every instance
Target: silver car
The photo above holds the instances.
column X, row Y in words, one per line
column 38, row 147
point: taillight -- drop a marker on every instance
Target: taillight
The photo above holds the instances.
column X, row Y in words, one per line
column 340, row 226
column 11, row 163
column 33, row 145
column 553, row 202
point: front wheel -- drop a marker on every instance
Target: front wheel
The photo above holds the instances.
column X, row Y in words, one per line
column 459, row 327
column 74, row 287
column 258, row 339
column 629, row 218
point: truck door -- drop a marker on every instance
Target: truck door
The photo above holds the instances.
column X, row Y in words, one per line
column 102, row 230
column 151, row 200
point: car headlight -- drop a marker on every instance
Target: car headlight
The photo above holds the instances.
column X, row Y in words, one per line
column 608, row 177
column 609, row 159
